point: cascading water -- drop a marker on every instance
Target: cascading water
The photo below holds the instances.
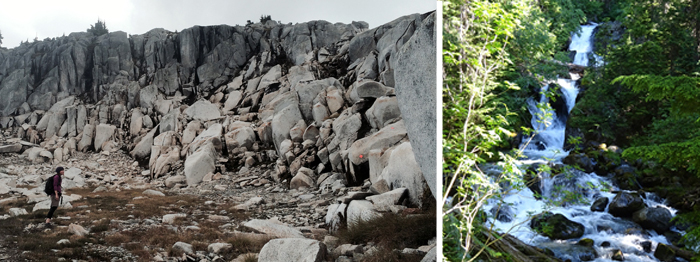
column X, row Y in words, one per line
column 513, row 212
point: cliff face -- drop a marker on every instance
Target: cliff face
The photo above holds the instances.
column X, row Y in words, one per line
column 194, row 61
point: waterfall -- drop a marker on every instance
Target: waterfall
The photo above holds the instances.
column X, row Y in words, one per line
column 513, row 211
column 549, row 124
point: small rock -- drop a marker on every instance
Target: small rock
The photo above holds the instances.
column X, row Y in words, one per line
column 217, row 248
column 77, row 230
column 184, row 247
column 217, row 218
column 151, row 192
column 646, row 246
column 170, row 182
column 347, row 250
column 17, row 211
column 600, row 204
column 170, row 218
column 331, row 241
column 63, row 242
column 617, row 255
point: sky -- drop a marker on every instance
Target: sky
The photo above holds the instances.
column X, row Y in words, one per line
column 22, row 20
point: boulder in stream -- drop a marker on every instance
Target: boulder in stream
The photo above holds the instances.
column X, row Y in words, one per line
column 656, row 218
column 600, row 204
column 556, row 226
column 625, row 204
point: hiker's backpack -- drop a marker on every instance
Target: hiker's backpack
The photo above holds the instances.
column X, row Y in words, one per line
column 48, row 189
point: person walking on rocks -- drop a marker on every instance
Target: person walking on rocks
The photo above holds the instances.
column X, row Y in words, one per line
column 56, row 194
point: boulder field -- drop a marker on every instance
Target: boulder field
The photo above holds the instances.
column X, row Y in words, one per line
column 340, row 112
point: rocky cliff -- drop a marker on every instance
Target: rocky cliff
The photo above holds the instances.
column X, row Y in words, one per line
column 311, row 106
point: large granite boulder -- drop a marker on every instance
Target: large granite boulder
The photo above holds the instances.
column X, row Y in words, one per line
column 414, row 74
column 293, row 249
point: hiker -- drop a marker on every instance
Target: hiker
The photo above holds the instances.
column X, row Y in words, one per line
column 56, row 194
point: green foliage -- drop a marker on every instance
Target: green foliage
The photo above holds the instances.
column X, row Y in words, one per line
column 99, row 28
column 682, row 92
column 565, row 17
column 265, row 18
column 495, row 53
column 660, row 41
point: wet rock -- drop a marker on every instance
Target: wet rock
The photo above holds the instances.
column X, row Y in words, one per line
column 286, row 249
column 625, row 204
column 617, row 255
column 503, row 213
column 646, row 246
column 664, row 253
column 580, row 160
column 586, row 242
column 533, row 181
column 556, row 226
column 600, row 204
column 656, row 218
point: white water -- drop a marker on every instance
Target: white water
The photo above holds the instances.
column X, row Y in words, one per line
column 520, row 205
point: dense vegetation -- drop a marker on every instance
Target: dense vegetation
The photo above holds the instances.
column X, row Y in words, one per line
column 496, row 55
column 99, row 28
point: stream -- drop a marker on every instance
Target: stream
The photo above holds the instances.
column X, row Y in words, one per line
column 610, row 234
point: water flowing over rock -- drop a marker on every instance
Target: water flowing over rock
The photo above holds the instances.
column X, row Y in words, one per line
column 656, row 218
column 556, row 226
column 573, row 192
column 625, row 204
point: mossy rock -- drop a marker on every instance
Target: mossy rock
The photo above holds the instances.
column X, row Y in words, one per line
column 556, row 226
column 664, row 253
column 586, row 242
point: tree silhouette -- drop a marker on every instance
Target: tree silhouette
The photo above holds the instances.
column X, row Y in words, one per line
column 0, row 37
column 265, row 18
column 99, row 28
